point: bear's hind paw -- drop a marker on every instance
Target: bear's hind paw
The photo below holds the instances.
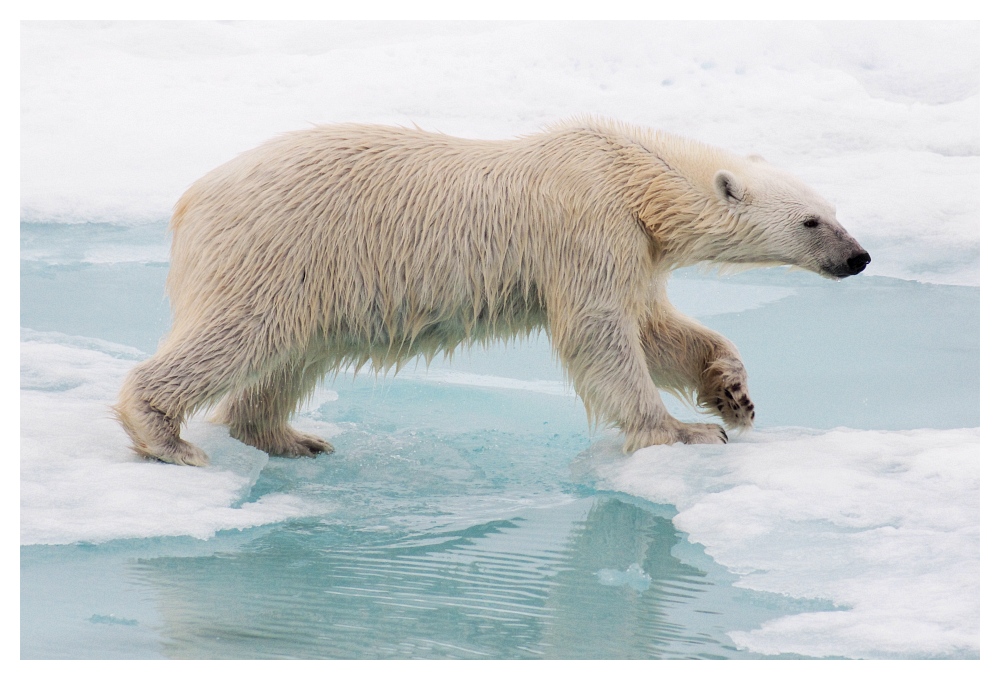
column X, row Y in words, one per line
column 287, row 443
column 307, row 446
column 178, row 452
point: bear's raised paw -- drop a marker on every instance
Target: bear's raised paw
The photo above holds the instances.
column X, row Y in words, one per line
column 724, row 391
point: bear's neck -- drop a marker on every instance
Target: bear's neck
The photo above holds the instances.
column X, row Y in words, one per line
column 669, row 182
column 684, row 217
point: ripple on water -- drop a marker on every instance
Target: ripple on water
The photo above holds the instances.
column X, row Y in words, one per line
column 526, row 587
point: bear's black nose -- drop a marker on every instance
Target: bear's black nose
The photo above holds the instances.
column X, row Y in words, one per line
column 857, row 264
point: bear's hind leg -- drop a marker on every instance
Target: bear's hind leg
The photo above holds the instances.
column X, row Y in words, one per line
column 152, row 404
column 258, row 415
column 191, row 369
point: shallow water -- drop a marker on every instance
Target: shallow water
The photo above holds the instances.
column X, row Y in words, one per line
column 468, row 510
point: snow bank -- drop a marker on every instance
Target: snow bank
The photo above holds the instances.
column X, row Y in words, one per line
column 885, row 524
column 81, row 482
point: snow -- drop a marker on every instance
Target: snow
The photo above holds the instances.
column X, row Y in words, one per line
column 883, row 523
column 81, row 482
column 883, row 119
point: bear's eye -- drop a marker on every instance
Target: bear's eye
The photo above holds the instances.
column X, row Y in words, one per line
column 811, row 223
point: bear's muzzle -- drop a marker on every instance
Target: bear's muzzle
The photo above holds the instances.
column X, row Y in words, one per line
column 854, row 264
column 857, row 263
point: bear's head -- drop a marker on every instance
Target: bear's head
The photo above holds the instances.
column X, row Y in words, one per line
column 778, row 219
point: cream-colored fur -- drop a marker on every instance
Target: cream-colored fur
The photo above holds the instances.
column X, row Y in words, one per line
column 340, row 245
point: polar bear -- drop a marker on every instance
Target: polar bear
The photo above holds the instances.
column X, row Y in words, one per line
column 345, row 244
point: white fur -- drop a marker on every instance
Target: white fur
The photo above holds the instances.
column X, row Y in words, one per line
column 339, row 245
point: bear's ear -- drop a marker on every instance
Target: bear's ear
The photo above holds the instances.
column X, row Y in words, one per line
column 729, row 188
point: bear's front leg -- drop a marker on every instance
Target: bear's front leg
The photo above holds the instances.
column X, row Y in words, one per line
column 604, row 357
column 684, row 357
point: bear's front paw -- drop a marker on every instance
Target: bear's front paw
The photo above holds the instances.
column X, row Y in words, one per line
column 683, row 433
column 703, row 433
column 724, row 391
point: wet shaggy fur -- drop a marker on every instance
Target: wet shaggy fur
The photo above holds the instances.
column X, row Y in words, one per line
column 333, row 247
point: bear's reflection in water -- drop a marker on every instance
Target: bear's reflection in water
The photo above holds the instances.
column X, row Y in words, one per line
column 596, row 578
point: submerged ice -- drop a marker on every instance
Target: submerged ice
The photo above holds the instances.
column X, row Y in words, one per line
column 853, row 521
